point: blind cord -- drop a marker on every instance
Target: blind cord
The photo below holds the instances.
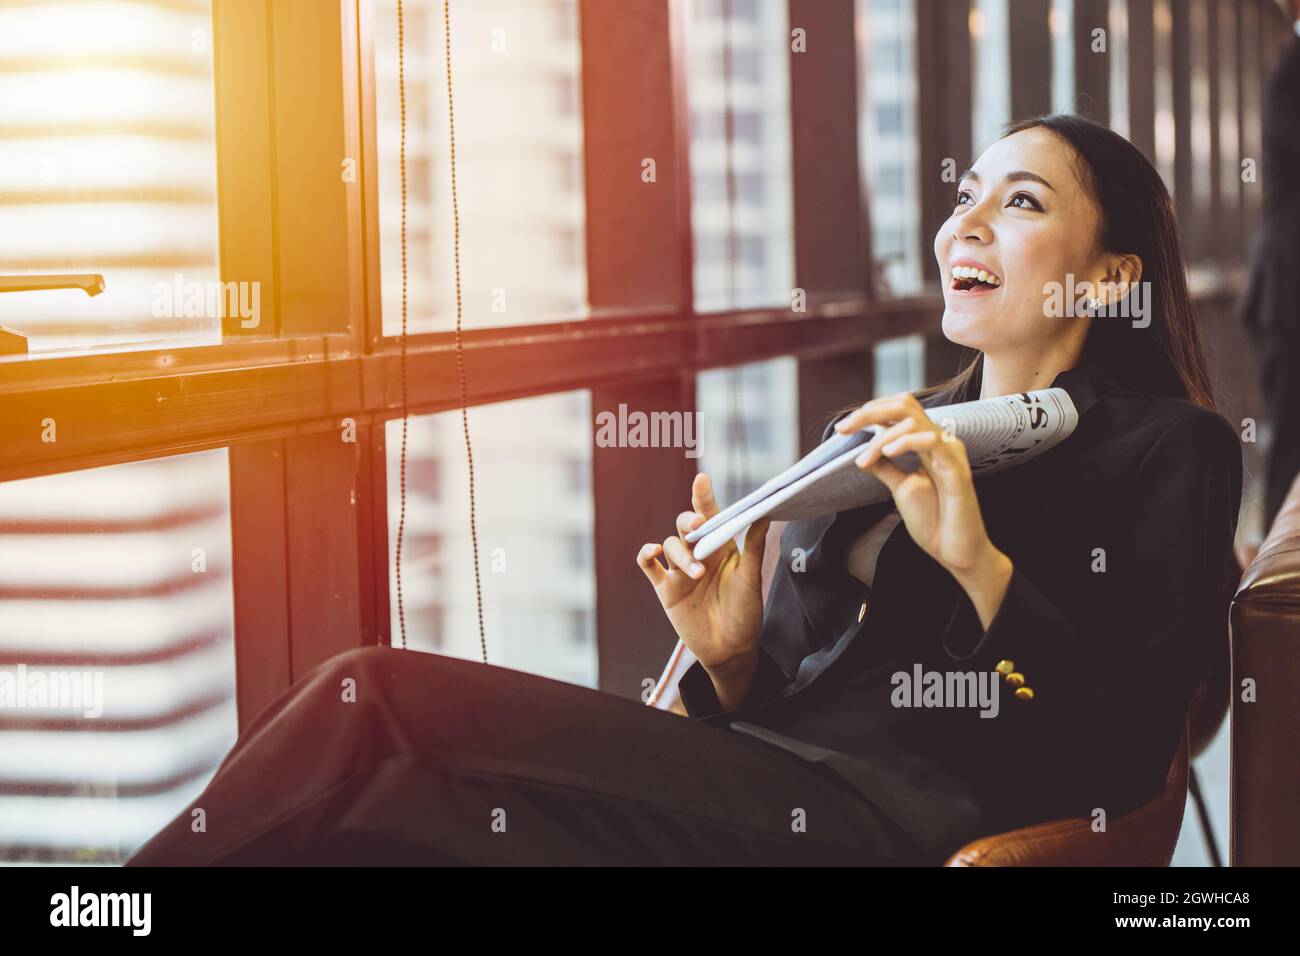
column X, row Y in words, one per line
column 460, row 356
column 401, row 521
column 460, row 359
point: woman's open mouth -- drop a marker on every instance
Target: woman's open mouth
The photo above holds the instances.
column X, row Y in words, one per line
column 969, row 280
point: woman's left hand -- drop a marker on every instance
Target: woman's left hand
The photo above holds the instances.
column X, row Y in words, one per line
column 937, row 501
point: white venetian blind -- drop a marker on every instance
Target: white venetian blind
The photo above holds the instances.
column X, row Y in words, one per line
column 107, row 165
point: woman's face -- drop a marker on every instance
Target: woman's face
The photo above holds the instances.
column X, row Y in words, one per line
column 1022, row 216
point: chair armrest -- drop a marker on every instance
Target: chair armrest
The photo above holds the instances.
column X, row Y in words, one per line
column 1265, row 634
column 1143, row 837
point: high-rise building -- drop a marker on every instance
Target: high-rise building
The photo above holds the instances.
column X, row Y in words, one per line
column 119, row 575
column 519, row 173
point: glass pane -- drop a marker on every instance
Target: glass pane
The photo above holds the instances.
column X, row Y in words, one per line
column 899, row 365
column 1117, row 45
column 889, row 140
column 1060, row 21
column 532, row 482
column 741, row 198
column 107, row 165
column 748, row 424
column 1163, row 18
column 1224, row 27
column 519, row 178
column 1201, row 121
column 990, row 51
column 117, row 668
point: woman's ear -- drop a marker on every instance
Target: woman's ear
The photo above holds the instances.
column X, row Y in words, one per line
column 1123, row 272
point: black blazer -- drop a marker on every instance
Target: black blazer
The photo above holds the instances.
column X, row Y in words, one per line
column 1147, row 488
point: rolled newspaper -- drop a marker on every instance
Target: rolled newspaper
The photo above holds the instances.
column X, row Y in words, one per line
column 998, row 433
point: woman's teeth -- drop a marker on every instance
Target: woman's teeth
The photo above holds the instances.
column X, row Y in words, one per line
column 971, row 274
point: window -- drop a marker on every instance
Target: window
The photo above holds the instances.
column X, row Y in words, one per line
column 990, row 66
column 889, row 120
column 107, row 166
column 116, row 586
column 1203, row 134
column 1228, row 120
column 1117, row 47
column 1060, row 21
column 577, row 474
column 741, row 208
column 888, row 141
column 534, row 535
column 900, row 365
column 581, row 628
column 1164, row 90
column 749, row 428
column 517, row 76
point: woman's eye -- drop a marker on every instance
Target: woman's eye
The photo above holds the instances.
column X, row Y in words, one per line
column 964, row 198
column 1025, row 201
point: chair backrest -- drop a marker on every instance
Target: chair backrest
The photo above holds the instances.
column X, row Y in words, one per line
column 1265, row 634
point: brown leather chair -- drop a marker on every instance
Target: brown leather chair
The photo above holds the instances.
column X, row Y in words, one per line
column 1264, row 819
column 1144, row 837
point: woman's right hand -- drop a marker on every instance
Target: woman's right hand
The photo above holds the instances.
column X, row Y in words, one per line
column 715, row 606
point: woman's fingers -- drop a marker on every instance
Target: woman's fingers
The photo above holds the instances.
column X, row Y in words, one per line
column 702, row 499
column 647, row 558
column 871, row 451
column 950, row 449
column 944, row 461
column 705, row 504
column 881, row 411
column 751, row 562
column 678, row 554
column 890, row 475
column 674, row 551
column 688, row 521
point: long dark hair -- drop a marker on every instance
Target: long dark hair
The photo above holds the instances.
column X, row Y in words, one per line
column 1137, row 218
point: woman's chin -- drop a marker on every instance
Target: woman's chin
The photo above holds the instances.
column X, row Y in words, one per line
column 962, row 328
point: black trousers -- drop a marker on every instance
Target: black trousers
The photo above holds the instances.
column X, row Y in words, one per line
column 382, row 756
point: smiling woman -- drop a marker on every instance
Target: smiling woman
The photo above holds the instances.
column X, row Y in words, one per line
column 996, row 579
column 993, row 572
column 1062, row 201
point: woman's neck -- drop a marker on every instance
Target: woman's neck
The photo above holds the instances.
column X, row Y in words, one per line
column 1009, row 374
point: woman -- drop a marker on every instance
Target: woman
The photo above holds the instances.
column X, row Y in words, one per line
column 1079, row 585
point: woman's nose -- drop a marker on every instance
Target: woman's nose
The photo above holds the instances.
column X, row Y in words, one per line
column 971, row 226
